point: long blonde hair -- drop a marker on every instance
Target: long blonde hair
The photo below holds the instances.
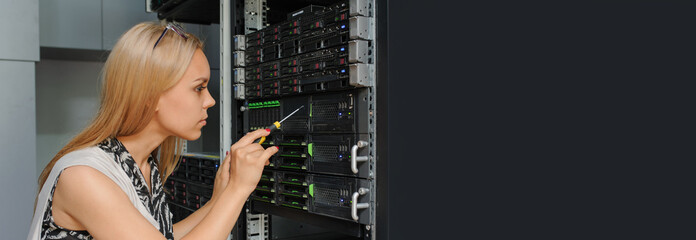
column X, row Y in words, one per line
column 134, row 77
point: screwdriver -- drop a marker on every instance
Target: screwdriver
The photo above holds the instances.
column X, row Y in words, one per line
column 276, row 125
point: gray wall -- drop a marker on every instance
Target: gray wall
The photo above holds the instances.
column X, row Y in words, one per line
column 67, row 98
column 19, row 49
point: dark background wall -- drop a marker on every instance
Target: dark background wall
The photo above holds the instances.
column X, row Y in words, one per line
column 542, row 120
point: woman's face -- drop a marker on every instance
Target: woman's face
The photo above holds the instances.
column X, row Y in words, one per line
column 182, row 110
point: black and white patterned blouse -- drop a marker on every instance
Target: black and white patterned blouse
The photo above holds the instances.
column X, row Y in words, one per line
column 155, row 203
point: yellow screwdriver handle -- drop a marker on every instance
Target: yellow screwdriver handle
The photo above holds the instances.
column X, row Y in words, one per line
column 276, row 125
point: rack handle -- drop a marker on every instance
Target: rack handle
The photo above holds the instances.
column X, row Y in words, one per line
column 355, row 205
column 354, row 158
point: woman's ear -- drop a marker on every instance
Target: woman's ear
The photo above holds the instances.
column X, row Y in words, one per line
column 157, row 105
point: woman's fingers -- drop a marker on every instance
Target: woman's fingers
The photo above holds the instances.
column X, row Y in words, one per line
column 225, row 166
column 249, row 138
column 268, row 153
column 247, row 164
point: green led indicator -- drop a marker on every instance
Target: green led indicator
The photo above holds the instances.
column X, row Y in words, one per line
column 310, row 110
column 336, row 19
column 288, row 205
column 311, row 189
column 292, row 167
column 310, row 149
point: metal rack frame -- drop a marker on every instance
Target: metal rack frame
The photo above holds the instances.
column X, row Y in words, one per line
column 253, row 225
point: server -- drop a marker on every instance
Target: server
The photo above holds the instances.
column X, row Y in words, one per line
column 277, row 56
column 321, row 57
column 191, row 185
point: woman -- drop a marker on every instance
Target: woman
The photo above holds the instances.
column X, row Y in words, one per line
column 154, row 95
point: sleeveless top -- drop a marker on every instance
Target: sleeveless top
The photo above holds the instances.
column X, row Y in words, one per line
column 112, row 159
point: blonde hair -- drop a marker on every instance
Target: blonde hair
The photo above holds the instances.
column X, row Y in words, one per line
column 134, row 77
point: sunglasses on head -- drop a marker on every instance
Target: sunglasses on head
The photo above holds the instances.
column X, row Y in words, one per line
column 174, row 27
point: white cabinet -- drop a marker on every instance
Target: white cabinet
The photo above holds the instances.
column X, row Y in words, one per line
column 19, row 21
column 70, row 24
column 88, row 24
column 121, row 15
column 17, row 145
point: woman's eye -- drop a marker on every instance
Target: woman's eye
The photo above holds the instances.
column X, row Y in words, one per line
column 200, row 88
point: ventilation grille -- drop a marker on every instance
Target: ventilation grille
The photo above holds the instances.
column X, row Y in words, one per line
column 326, row 153
column 327, row 196
column 298, row 124
column 325, row 112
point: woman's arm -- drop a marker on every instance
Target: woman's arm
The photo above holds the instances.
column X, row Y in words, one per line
column 94, row 201
column 85, row 198
column 246, row 162
column 222, row 178
column 184, row 226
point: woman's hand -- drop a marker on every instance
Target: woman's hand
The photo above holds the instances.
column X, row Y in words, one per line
column 222, row 177
column 247, row 160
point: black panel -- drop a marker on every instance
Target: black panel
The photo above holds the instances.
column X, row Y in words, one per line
column 345, row 227
column 191, row 184
column 188, row 11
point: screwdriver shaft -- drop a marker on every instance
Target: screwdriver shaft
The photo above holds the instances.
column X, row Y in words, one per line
column 286, row 117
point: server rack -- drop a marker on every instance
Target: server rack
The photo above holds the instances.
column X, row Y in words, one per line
column 330, row 56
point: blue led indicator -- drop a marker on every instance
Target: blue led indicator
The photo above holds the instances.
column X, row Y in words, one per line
column 343, row 49
column 343, row 26
column 339, row 114
column 343, row 70
column 340, row 156
column 216, row 165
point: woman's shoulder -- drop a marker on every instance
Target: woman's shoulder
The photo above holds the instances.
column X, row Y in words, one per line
column 84, row 161
column 92, row 156
column 85, row 154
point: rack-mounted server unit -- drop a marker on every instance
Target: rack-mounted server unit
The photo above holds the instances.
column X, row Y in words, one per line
column 321, row 57
column 191, row 184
